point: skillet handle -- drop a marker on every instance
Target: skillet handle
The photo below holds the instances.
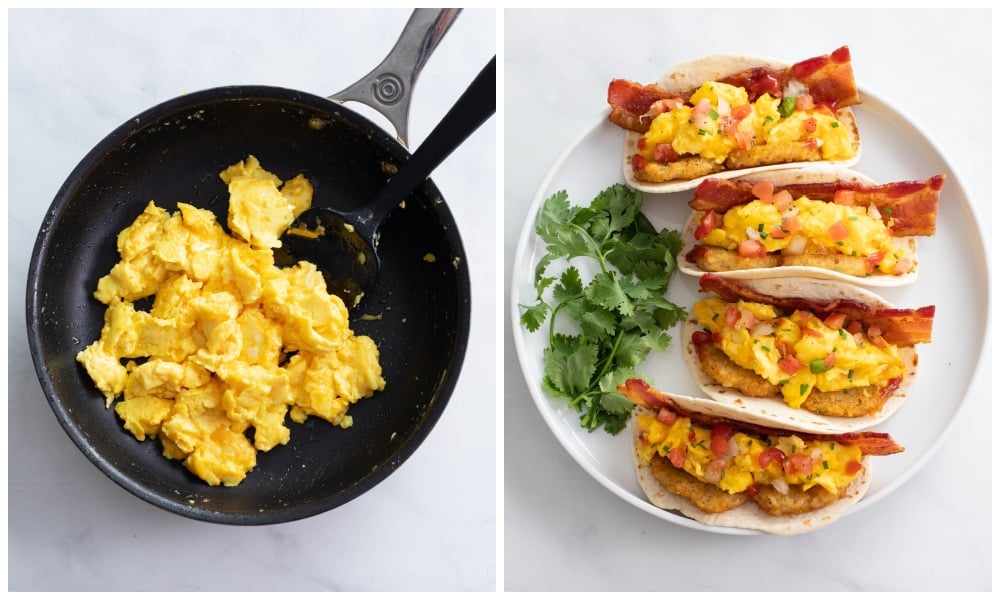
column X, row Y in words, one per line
column 388, row 86
column 477, row 104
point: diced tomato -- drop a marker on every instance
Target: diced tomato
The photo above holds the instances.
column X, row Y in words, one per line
column 752, row 249
column 845, row 197
column 641, row 143
column 782, row 200
column 789, row 364
column 676, row 456
column 763, row 189
column 778, row 233
column 666, row 416
column 728, row 125
column 799, row 463
column 744, row 140
column 742, row 112
column 665, row 153
column 700, row 112
column 835, row 320
column 872, row 260
column 638, row 162
column 838, row 231
column 692, row 438
column 720, row 439
column 752, row 490
column 853, row 467
column 714, row 470
column 709, row 222
column 804, row 102
column 770, row 455
column 830, row 360
column 813, row 143
column 853, row 327
column 809, row 124
column 811, row 332
column 791, row 224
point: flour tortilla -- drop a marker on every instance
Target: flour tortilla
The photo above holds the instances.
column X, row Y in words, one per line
column 774, row 409
column 812, row 174
column 690, row 75
column 749, row 515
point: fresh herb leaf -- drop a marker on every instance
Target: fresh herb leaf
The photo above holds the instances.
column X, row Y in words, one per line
column 618, row 317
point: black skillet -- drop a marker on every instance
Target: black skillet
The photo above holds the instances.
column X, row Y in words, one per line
column 173, row 153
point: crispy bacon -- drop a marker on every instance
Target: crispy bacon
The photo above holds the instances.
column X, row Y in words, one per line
column 909, row 207
column 899, row 326
column 829, row 79
column 631, row 101
column 643, row 394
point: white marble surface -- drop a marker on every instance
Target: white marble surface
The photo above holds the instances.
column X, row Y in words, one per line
column 563, row 530
column 76, row 75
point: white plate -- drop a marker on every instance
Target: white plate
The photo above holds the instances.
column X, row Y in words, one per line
column 953, row 277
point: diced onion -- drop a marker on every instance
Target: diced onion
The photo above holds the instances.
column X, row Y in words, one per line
column 781, row 486
column 724, row 108
column 734, row 448
column 753, row 234
column 797, row 245
column 762, row 328
column 874, row 213
column 794, row 88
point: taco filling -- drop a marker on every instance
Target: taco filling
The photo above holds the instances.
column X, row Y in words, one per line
column 720, row 123
column 718, row 469
column 796, row 354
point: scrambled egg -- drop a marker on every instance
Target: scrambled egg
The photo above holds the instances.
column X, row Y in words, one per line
column 713, row 132
column 849, row 230
column 798, row 352
column 824, row 463
column 231, row 343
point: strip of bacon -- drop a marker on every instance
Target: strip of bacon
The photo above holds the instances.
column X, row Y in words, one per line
column 829, row 79
column 631, row 102
column 899, row 326
column 909, row 207
column 643, row 394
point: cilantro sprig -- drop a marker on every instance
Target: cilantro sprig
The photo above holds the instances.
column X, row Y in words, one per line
column 618, row 317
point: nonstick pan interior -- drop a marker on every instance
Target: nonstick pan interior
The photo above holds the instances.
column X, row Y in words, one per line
column 418, row 314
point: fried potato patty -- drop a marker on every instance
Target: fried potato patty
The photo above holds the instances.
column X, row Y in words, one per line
column 719, row 260
column 854, row 402
column 684, row 168
column 711, row 499
column 705, row 496
column 795, row 502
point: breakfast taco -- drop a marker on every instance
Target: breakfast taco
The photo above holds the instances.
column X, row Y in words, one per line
column 814, row 222
column 730, row 115
column 701, row 459
column 818, row 355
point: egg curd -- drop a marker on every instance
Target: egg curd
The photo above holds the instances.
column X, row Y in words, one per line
column 806, row 226
column 798, row 352
column 720, row 120
column 230, row 343
column 734, row 461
